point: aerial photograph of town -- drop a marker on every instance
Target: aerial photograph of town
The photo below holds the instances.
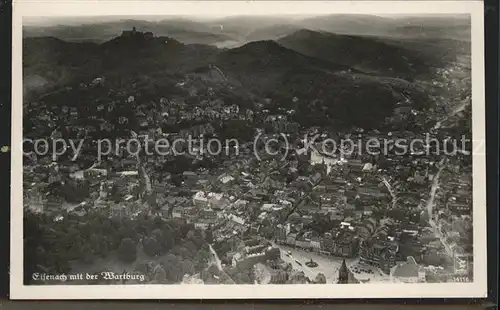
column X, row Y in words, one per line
column 328, row 149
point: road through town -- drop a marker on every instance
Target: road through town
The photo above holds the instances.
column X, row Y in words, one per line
column 430, row 212
column 218, row 263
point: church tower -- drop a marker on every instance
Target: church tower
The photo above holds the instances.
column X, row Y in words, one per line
column 343, row 274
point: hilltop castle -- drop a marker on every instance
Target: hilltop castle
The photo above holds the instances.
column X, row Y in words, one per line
column 137, row 34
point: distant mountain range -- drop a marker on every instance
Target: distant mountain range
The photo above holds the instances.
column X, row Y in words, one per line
column 243, row 29
column 355, row 80
column 406, row 58
column 188, row 32
column 403, row 58
column 397, row 47
column 265, row 68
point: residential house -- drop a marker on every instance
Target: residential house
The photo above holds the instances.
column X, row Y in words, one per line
column 278, row 276
column 408, row 272
column 303, row 243
column 290, row 239
column 379, row 253
column 281, row 233
column 316, row 244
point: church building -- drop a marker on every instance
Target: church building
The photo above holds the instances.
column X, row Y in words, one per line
column 345, row 275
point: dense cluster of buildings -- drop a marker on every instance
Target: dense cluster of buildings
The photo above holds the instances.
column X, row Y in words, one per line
column 346, row 204
column 342, row 242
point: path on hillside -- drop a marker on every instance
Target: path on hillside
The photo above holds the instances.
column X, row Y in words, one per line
column 220, row 71
column 456, row 110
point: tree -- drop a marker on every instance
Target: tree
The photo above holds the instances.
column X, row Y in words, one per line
column 424, row 217
column 142, row 267
column 191, row 247
column 127, row 251
column 159, row 236
column 171, row 265
column 158, row 274
column 151, row 247
column 398, row 214
column 196, row 238
column 185, row 229
column 213, row 270
column 191, row 234
column 88, row 255
column 209, row 236
column 432, row 277
column 432, row 258
column 158, row 222
column 201, row 259
column 242, row 276
column 187, row 267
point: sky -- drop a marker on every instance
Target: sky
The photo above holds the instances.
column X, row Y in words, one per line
column 157, row 10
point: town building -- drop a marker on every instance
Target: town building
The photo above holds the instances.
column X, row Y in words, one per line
column 408, row 272
column 345, row 275
column 326, row 244
column 345, row 244
column 278, row 276
column 367, row 228
column 378, row 253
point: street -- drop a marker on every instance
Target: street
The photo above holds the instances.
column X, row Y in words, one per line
column 430, row 207
column 215, row 257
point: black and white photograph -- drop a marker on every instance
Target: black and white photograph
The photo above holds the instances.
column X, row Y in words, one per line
column 248, row 150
